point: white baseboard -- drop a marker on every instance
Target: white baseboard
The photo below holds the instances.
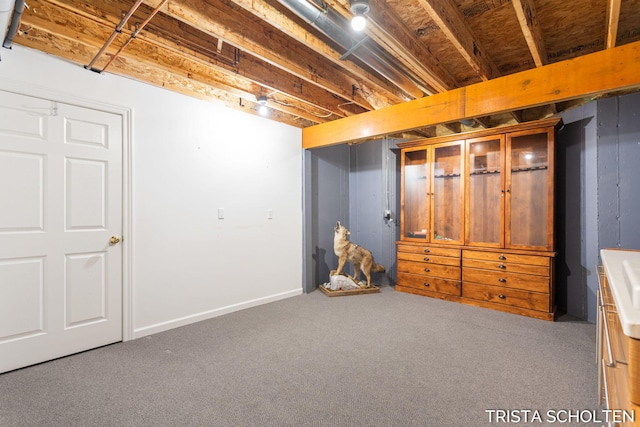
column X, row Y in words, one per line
column 187, row 320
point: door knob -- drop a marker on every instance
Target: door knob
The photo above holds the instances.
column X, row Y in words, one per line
column 114, row 240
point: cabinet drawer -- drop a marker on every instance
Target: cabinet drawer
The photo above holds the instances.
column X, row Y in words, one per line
column 619, row 353
column 507, row 257
column 432, row 284
column 506, row 296
column 429, row 259
column 433, row 270
column 424, row 249
column 507, row 280
column 510, row 267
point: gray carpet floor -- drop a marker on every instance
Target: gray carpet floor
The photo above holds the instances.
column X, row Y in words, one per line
column 387, row 359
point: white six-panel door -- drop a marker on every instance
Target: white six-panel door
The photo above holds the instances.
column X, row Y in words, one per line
column 60, row 204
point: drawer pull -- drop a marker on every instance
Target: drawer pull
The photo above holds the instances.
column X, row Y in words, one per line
column 427, row 284
column 502, row 257
column 501, row 296
column 502, row 266
column 605, row 387
column 426, row 270
column 607, row 338
column 426, row 258
column 502, row 280
column 427, row 250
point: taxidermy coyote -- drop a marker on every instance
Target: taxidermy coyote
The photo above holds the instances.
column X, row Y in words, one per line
column 361, row 258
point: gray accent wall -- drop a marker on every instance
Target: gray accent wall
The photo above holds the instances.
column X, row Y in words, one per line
column 326, row 200
column 619, row 172
column 598, row 196
column 373, row 191
column 353, row 184
column 597, row 199
column 577, row 212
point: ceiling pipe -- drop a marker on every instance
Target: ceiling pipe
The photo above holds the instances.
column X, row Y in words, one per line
column 337, row 28
column 15, row 24
column 135, row 34
column 113, row 35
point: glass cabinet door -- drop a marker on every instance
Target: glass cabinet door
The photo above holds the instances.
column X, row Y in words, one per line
column 414, row 194
column 529, row 186
column 485, row 197
column 447, row 195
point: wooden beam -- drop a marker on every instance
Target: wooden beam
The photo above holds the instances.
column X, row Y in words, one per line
column 195, row 78
column 446, row 15
column 267, row 43
column 601, row 72
column 440, row 108
column 517, row 116
column 454, row 127
column 49, row 17
column 386, row 94
column 126, row 66
column 613, row 15
column 388, row 30
column 528, row 20
column 186, row 44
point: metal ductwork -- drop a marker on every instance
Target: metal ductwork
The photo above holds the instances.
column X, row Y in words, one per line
column 337, row 28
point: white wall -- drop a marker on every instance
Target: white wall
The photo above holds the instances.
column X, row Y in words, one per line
column 188, row 158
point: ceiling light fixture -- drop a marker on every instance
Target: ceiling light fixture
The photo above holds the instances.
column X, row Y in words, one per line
column 359, row 8
column 262, row 105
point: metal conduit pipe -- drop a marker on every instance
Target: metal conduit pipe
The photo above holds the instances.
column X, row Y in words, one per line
column 337, row 28
column 15, row 24
column 115, row 32
column 135, row 34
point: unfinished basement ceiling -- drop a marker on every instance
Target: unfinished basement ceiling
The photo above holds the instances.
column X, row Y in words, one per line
column 303, row 56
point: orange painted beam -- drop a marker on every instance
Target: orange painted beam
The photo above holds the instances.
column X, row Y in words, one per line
column 601, row 72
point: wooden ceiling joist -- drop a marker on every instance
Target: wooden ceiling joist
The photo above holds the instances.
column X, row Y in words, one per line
column 448, row 17
column 270, row 46
column 613, row 15
column 531, row 29
column 154, row 75
column 246, row 81
column 220, row 22
column 388, row 30
column 233, row 51
column 605, row 71
column 387, row 93
column 195, row 75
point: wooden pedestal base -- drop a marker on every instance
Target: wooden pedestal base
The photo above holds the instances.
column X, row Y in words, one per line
column 340, row 293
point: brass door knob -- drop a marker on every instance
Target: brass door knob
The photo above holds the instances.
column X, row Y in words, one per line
column 114, row 240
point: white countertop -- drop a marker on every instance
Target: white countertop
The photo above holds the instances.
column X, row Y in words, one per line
column 622, row 268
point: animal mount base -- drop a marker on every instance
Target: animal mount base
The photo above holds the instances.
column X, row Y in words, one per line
column 344, row 292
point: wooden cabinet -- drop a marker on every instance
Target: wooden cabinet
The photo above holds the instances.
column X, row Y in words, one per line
column 433, row 203
column 618, row 358
column 429, row 270
column 520, row 282
column 485, row 191
column 489, row 195
column 509, row 196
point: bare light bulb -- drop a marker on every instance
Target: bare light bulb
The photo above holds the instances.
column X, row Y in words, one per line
column 262, row 105
column 359, row 8
column 358, row 22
